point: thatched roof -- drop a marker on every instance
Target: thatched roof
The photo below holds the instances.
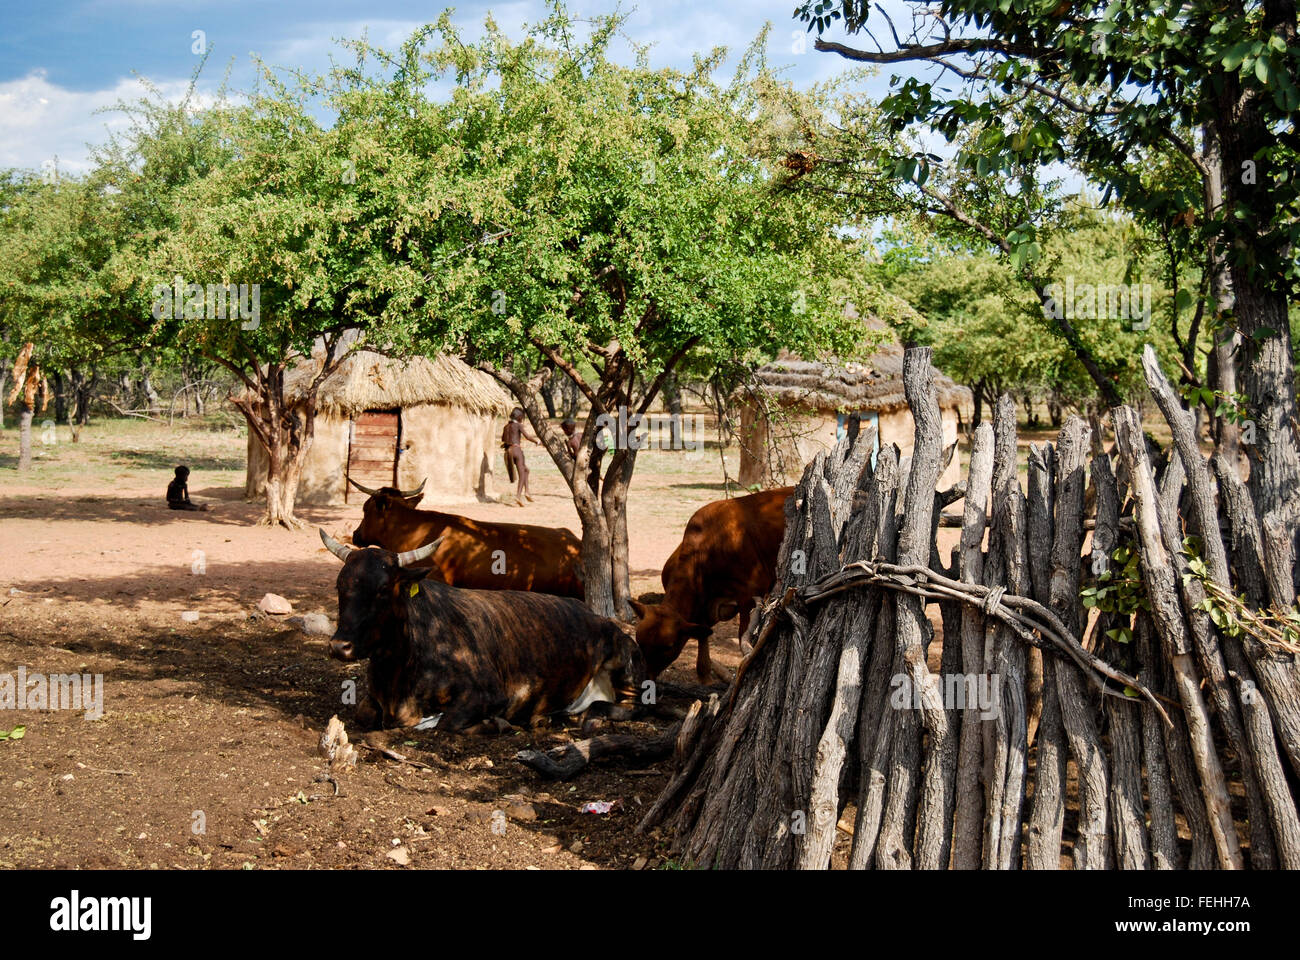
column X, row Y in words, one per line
column 372, row 381
column 876, row 384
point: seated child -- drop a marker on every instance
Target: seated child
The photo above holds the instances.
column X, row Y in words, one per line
column 178, row 492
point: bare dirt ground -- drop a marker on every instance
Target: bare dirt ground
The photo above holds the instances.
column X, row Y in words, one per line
column 206, row 753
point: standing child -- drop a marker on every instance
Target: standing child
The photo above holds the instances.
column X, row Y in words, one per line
column 511, row 439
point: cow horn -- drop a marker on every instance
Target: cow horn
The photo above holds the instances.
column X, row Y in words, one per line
column 408, row 557
column 407, row 494
column 366, row 490
column 340, row 550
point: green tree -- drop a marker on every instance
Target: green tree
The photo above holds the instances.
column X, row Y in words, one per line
column 987, row 326
column 601, row 220
column 256, row 249
column 1110, row 87
column 56, row 236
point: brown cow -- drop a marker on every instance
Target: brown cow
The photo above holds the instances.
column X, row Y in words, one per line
column 475, row 554
column 726, row 558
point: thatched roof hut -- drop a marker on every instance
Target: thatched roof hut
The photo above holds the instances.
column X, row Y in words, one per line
column 794, row 408
column 370, row 381
column 873, row 386
column 383, row 421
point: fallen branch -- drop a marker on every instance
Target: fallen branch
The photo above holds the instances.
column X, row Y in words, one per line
column 392, row 755
column 567, row 761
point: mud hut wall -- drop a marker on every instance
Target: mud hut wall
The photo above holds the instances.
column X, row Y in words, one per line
column 255, row 472
column 811, row 433
column 451, row 446
column 754, row 439
column 324, row 470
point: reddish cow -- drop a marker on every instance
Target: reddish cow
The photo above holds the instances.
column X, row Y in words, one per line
column 474, row 554
column 726, row 558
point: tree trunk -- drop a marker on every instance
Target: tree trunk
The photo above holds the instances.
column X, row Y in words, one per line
column 613, row 497
column 606, row 580
column 83, row 389
column 60, row 396
column 24, row 437
column 285, row 435
column 597, row 556
column 1055, row 411
column 1259, row 303
column 548, row 398
column 152, row 402
column 290, row 440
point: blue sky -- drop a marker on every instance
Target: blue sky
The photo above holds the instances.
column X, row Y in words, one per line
column 63, row 63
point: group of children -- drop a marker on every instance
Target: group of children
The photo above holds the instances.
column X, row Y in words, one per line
column 512, row 438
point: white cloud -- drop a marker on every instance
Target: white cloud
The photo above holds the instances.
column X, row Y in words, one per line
column 40, row 121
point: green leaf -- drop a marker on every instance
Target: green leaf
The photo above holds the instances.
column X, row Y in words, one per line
column 1236, row 54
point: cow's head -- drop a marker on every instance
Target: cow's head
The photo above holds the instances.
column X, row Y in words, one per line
column 618, row 670
column 662, row 632
column 373, row 531
column 372, row 585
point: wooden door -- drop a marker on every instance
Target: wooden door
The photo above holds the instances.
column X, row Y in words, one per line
column 372, row 454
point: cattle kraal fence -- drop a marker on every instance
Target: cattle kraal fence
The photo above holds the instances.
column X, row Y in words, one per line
column 1156, row 666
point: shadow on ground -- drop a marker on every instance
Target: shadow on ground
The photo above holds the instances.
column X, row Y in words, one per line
column 232, row 509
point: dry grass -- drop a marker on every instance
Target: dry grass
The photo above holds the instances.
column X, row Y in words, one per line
column 129, row 449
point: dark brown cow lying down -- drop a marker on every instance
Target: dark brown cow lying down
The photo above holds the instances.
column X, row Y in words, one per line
column 727, row 557
column 471, row 655
column 473, row 553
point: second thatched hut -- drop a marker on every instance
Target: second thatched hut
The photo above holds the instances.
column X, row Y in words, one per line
column 795, row 409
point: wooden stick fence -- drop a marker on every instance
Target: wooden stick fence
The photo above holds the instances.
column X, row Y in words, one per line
column 1160, row 706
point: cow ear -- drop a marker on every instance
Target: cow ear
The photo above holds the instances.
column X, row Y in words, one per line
column 412, row 574
column 699, row 631
column 640, row 609
column 726, row 609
